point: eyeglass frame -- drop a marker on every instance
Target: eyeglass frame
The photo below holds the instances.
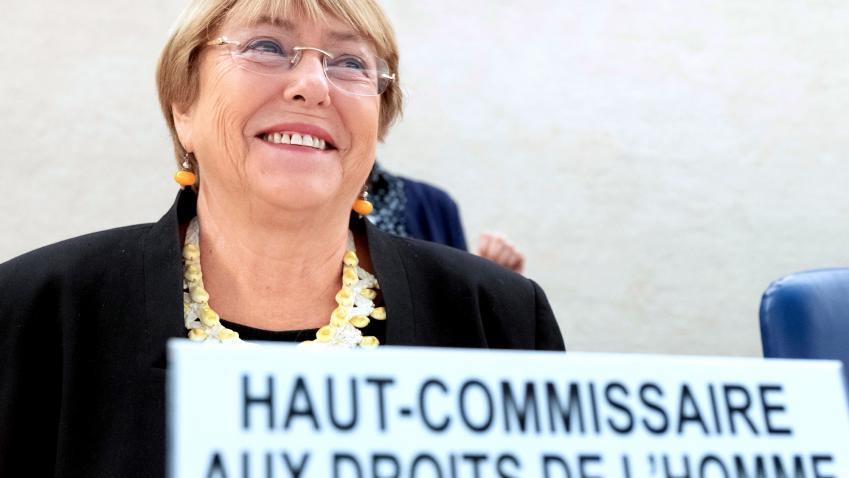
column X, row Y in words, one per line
column 224, row 41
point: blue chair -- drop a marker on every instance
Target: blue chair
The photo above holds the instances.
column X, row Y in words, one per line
column 806, row 315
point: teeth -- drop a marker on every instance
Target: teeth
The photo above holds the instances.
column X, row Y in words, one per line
column 295, row 138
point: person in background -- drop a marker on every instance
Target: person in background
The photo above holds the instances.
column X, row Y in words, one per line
column 409, row 208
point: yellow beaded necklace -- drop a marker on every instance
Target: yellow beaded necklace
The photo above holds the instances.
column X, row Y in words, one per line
column 355, row 302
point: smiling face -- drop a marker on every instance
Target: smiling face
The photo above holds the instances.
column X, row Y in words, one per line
column 244, row 127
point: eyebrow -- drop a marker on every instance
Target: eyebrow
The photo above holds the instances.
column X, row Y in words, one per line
column 336, row 36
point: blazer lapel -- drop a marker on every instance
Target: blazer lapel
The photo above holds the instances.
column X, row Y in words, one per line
column 392, row 277
column 163, row 280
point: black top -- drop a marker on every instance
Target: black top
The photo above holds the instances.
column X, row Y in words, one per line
column 375, row 328
column 84, row 325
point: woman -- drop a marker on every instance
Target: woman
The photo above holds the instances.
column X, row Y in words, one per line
column 275, row 107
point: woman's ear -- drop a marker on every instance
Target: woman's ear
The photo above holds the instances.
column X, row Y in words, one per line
column 183, row 125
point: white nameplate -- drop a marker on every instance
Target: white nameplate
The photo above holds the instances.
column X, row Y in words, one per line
column 274, row 411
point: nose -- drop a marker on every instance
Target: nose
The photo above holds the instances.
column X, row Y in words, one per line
column 307, row 81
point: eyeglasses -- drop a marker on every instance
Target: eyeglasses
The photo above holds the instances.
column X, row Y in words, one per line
column 358, row 73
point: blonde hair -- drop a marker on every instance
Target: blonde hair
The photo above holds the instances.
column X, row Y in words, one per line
column 177, row 77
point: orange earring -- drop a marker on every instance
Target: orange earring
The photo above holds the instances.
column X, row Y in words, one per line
column 362, row 206
column 185, row 176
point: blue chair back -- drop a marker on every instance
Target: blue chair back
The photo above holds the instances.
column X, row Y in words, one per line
column 806, row 315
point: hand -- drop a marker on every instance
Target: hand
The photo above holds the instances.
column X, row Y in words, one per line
column 497, row 248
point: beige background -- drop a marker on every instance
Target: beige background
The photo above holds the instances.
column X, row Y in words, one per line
column 659, row 161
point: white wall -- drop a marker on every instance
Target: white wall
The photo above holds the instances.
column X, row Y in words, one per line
column 659, row 161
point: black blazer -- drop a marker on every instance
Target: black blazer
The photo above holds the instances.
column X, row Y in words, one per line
column 83, row 327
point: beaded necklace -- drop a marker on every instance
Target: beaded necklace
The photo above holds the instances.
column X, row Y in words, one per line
column 355, row 302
